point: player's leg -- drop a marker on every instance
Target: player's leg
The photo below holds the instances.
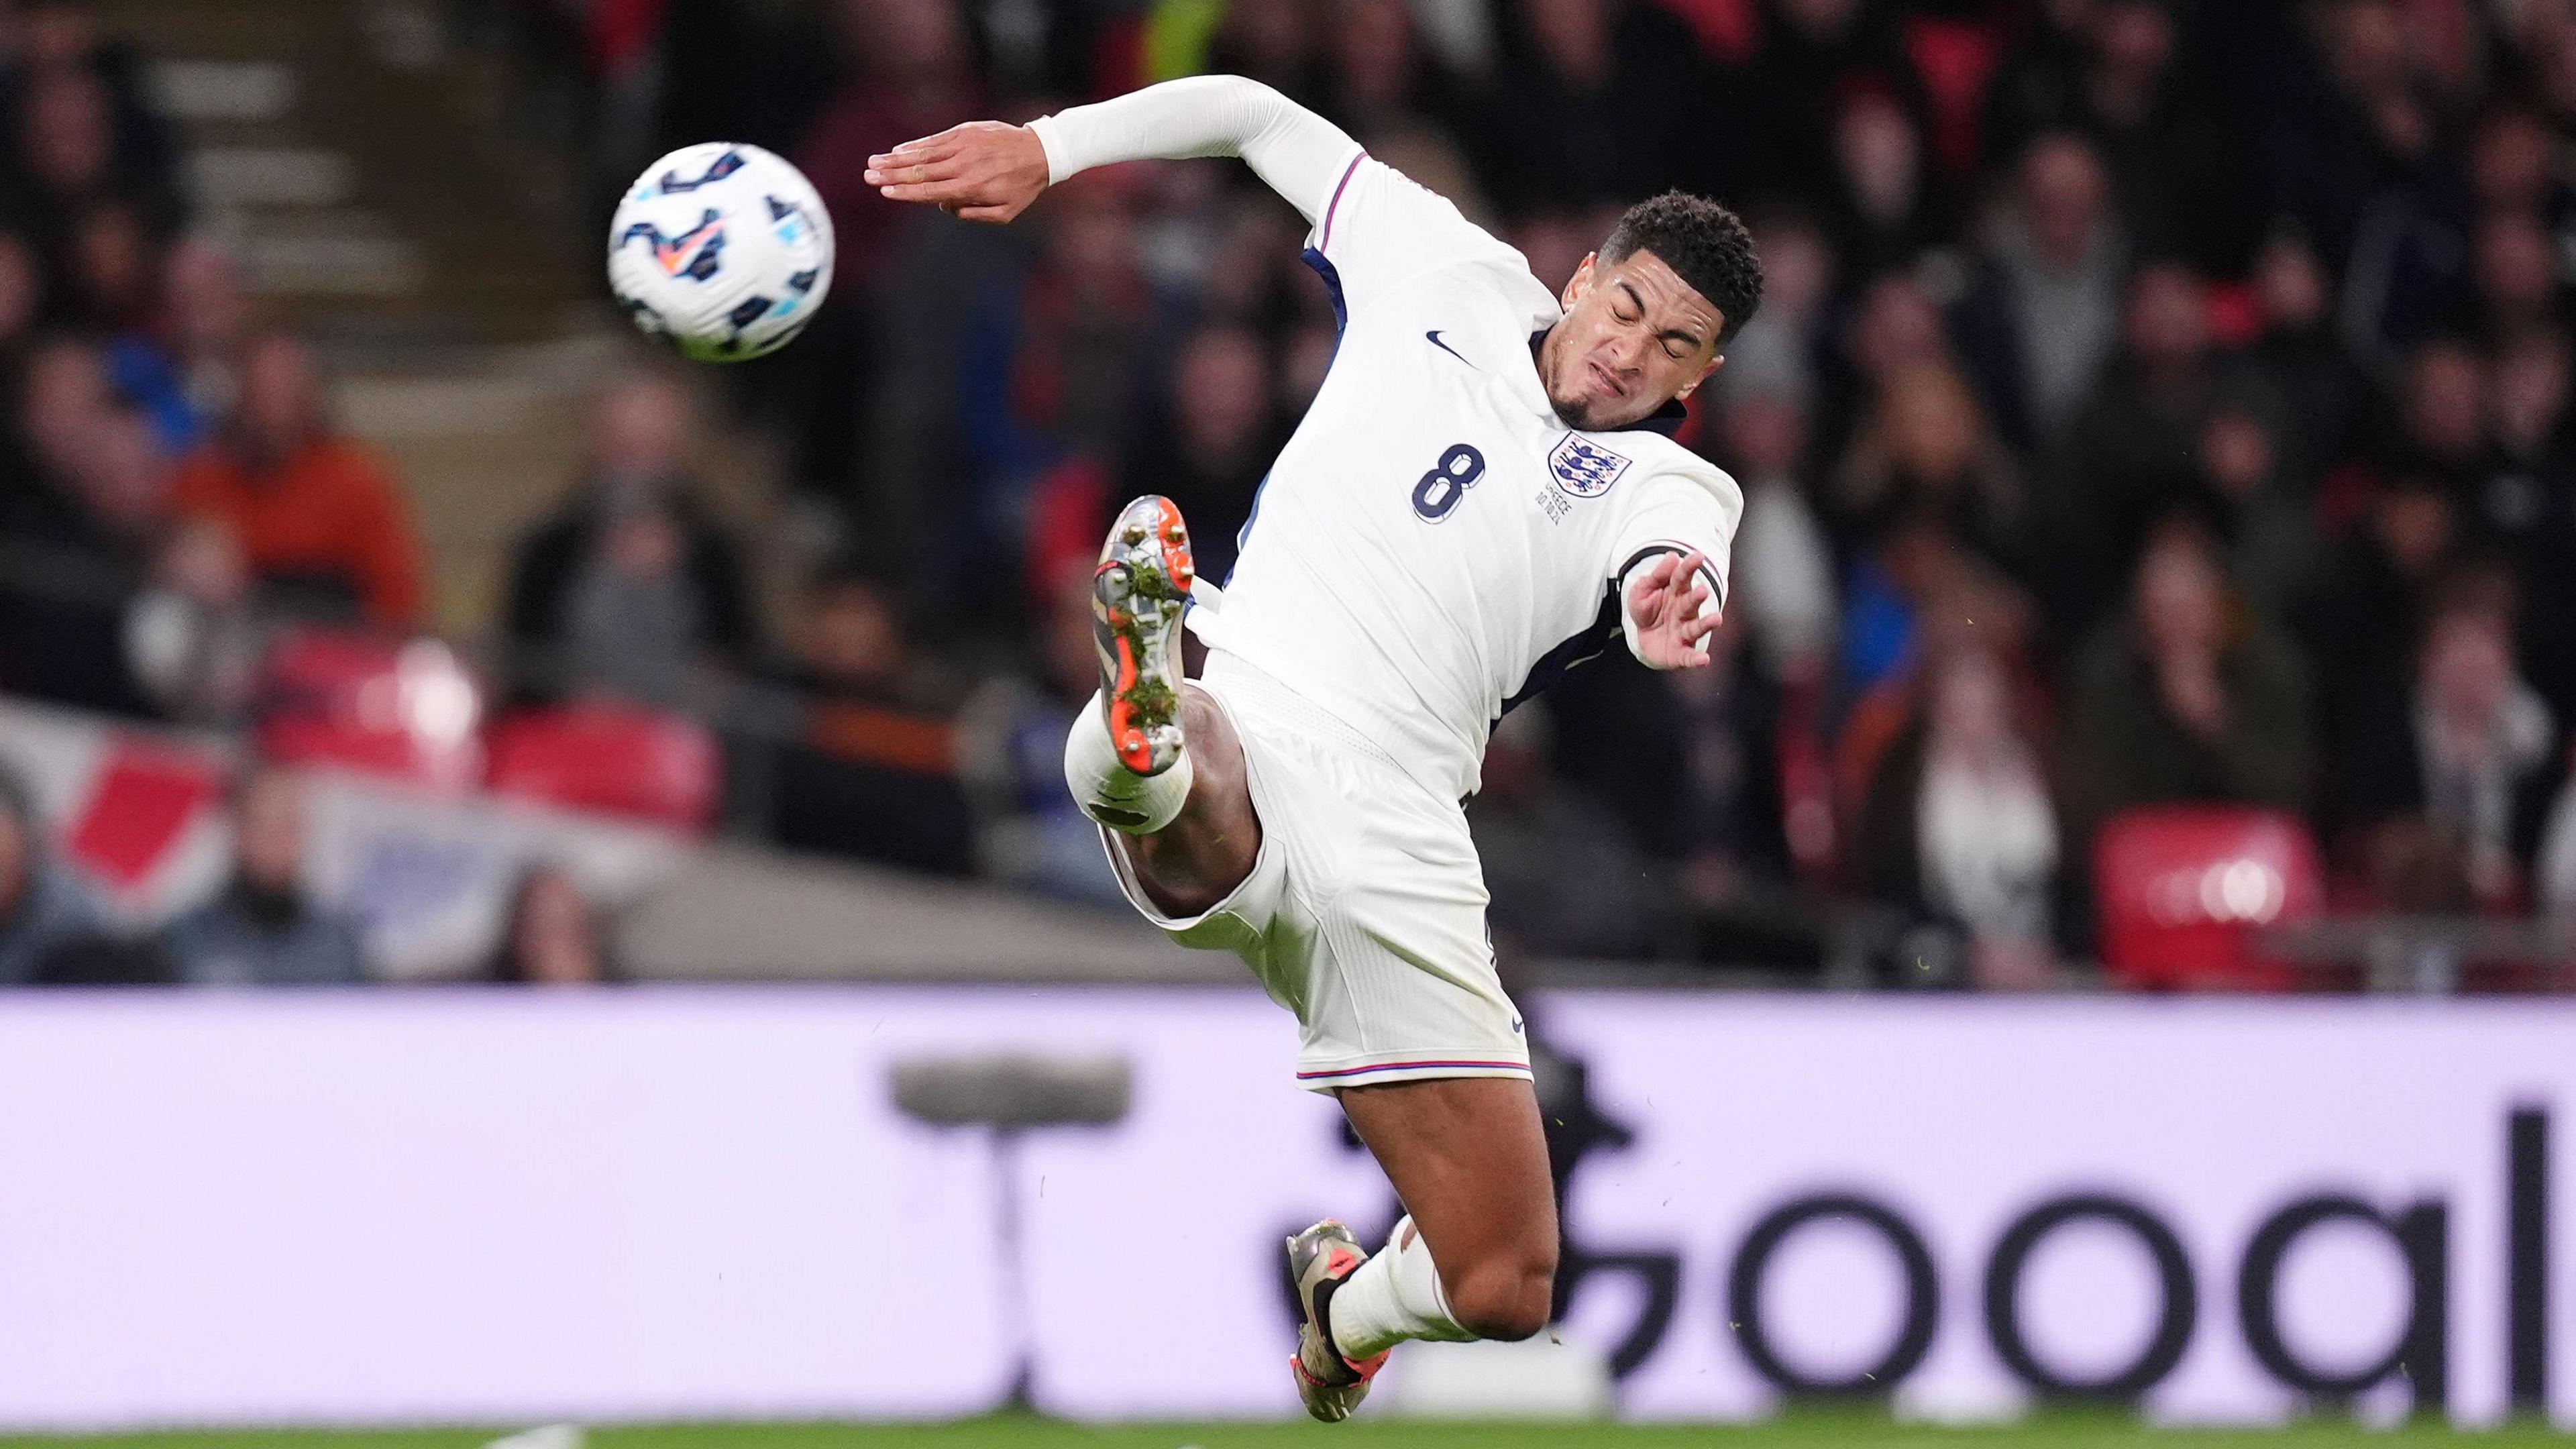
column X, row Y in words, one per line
column 1474, row 1257
column 1196, row 860
column 1152, row 758
column 1468, row 1158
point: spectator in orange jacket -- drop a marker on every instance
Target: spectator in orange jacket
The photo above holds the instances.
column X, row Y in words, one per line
column 322, row 519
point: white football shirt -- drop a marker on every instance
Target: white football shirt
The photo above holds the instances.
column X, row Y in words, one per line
column 1433, row 543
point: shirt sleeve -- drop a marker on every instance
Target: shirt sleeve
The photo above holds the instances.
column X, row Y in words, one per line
column 1372, row 227
column 1381, row 229
column 1299, row 154
column 1677, row 514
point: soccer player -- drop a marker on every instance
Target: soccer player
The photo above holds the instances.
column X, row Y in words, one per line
column 1484, row 493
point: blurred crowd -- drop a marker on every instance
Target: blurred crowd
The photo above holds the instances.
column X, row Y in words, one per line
column 2154, row 402
column 174, row 502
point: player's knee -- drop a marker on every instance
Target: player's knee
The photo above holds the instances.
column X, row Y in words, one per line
column 1202, row 719
column 1508, row 1298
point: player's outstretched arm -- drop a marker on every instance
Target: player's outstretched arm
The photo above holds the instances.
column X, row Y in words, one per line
column 987, row 171
column 1668, row 614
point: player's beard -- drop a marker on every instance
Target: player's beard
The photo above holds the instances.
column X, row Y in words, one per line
column 1591, row 413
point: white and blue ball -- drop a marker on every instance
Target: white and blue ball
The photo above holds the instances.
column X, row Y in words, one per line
column 722, row 250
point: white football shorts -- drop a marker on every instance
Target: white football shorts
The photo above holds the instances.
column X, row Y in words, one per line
column 1365, row 910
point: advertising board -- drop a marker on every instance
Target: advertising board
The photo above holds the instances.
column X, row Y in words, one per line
column 473, row 1206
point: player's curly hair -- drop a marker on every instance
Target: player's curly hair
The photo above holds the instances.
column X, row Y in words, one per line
column 1705, row 244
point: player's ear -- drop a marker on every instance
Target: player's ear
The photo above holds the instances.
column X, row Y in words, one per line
column 1705, row 374
column 1580, row 283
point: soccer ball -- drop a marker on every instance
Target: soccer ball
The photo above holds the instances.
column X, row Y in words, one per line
column 723, row 251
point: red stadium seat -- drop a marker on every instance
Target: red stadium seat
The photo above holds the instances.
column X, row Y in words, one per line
column 612, row 758
column 406, row 709
column 2184, row 888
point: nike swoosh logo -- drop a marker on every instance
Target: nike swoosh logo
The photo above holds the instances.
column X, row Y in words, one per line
column 1434, row 335
column 677, row 254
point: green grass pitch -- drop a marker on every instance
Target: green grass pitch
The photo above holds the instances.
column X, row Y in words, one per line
column 1805, row 1431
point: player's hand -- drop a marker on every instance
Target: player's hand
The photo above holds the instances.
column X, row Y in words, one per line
column 1668, row 604
column 980, row 171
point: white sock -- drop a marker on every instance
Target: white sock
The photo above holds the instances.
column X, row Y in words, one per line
column 1394, row 1296
column 1111, row 793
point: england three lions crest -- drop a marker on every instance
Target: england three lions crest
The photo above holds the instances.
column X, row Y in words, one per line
column 1585, row 469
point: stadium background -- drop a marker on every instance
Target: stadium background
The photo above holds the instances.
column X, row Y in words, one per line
column 2155, row 581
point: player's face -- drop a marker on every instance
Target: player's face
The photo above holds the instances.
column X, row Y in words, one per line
column 1635, row 336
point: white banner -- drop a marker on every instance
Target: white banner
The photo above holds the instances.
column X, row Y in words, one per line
column 433, row 878
column 139, row 810
column 144, row 814
column 674, row 1203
